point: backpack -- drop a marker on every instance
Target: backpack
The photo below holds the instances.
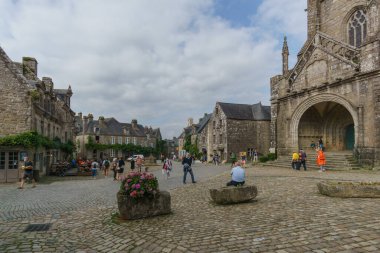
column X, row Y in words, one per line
column 106, row 163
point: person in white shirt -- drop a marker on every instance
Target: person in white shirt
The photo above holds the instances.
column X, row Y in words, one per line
column 237, row 175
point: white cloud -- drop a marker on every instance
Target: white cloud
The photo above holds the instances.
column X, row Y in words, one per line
column 158, row 61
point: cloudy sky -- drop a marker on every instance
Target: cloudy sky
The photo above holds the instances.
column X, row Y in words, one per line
column 159, row 61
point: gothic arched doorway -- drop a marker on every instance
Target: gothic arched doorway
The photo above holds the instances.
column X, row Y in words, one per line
column 330, row 121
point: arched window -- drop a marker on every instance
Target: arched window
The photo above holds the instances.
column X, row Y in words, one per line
column 357, row 28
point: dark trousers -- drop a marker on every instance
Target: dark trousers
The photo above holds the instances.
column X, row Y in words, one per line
column 185, row 171
column 114, row 174
column 303, row 163
column 234, row 183
column 296, row 165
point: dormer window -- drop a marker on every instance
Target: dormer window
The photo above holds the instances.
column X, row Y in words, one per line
column 357, row 28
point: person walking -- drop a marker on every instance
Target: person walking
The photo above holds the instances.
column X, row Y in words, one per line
column 120, row 169
column 295, row 161
column 133, row 162
column 216, row 159
column 167, row 168
column 186, row 162
column 255, row 156
column 114, row 168
column 28, row 173
column 321, row 160
column 302, row 157
column 139, row 163
column 106, row 166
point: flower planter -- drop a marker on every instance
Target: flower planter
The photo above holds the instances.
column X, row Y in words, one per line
column 233, row 194
column 137, row 208
column 350, row 189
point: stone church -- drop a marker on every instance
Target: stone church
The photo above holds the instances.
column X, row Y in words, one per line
column 333, row 91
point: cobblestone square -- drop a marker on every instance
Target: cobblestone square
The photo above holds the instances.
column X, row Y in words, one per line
column 289, row 215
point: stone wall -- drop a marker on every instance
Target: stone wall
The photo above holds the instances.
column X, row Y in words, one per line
column 15, row 102
column 246, row 134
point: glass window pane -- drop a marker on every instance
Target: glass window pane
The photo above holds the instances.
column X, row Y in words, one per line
column 2, row 160
column 13, row 160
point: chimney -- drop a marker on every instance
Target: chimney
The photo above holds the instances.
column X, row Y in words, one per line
column 30, row 63
column 80, row 115
column 90, row 117
column 190, row 122
column 48, row 83
column 134, row 123
column 101, row 122
column 85, row 123
column 125, row 130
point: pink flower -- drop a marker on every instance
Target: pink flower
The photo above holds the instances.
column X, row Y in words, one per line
column 137, row 186
column 133, row 194
column 129, row 180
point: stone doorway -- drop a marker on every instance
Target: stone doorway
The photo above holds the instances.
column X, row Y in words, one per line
column 330, row 121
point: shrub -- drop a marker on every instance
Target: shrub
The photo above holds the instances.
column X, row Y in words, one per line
column 263, row 159
column 138, row 185
column 272, row 156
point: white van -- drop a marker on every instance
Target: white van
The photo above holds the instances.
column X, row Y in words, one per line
column 134, row 157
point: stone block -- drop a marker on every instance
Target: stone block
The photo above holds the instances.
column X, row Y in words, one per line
column 350, row 189
column 138, row 208
column 233, row 194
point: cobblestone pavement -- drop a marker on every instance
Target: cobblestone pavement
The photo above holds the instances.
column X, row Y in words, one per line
column 79, row 194
column 289, row 215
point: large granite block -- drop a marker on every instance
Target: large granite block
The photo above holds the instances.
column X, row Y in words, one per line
column 350, row 189
column 233, row 194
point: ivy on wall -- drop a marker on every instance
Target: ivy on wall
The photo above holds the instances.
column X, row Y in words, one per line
column 34, row 140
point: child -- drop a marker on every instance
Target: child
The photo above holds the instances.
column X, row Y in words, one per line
column 94, row 170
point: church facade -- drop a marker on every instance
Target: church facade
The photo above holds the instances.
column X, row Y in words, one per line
column 333, row 91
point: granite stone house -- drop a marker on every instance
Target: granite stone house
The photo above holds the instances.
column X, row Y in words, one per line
column 333, row 91
column 198, row 133
column 111, row 131
column 238, row 128
column 28, row 103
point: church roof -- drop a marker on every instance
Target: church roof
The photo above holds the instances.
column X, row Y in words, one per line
column 246, row 112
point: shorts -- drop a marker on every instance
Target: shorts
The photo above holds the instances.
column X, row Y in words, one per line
column 120, row 170
column 28, row 175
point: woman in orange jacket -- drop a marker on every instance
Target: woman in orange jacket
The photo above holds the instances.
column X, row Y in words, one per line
column 321, row 160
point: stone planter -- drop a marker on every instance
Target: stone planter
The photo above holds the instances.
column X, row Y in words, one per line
column 233, row 194
column 350, row 189
column 131, row 208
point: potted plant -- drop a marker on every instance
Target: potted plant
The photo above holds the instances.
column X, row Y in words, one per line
column 139, row 197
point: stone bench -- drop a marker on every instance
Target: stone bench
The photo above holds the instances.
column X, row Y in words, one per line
column 233, row 194
column 344, row 189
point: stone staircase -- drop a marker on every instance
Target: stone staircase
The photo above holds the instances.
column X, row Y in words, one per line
column 337, row 160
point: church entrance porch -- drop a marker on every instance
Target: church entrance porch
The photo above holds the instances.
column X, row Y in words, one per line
column 330, row 121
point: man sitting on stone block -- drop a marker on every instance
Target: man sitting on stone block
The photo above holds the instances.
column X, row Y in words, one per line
column 237, row 175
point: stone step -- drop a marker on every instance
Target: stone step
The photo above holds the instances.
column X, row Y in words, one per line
column 334, row 161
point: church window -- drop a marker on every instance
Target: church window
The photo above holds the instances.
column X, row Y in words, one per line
column 357, row 28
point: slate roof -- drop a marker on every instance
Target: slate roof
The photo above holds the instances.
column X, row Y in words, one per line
column 114, row 127
column 203, row 122
column 246, row 112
